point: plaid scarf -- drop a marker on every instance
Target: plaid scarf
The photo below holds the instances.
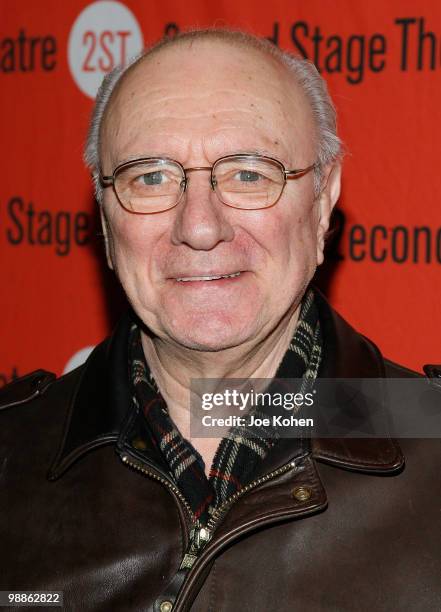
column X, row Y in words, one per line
column 240, row 451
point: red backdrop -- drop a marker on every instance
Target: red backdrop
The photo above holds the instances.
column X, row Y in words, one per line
column 382, row 61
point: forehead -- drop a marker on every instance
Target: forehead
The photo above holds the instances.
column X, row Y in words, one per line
column 212, row 95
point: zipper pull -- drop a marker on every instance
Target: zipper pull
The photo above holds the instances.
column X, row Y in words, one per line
column 198, row 540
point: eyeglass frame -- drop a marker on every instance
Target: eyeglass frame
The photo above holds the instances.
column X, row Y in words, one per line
column 287, row 174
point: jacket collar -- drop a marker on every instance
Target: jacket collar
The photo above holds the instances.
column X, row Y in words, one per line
column 101, row 403
column 348, row 354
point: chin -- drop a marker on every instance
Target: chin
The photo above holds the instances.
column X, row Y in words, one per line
column 215, row 334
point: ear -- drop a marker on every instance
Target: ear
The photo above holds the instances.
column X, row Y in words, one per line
column 327, row 200
column 107, row 237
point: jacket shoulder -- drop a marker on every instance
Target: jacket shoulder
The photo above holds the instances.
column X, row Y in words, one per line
column 40, row 386
column 396, row 370
column 26, row 388
column 45, row 386
column 432, row 372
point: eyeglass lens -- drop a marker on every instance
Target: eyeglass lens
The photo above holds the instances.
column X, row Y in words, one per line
column 242, row 182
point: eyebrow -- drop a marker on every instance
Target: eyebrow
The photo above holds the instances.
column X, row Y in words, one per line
column 150, row 155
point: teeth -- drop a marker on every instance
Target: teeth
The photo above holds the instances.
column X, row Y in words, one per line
column 186, row 279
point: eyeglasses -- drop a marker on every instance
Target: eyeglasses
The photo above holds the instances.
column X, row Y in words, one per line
column 153, row 184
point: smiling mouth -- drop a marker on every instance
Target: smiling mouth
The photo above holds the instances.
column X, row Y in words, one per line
column 187, row 279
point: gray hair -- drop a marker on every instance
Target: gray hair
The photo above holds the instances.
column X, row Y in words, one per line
column 304, row 72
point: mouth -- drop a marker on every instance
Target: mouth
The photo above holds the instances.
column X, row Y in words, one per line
column 190, row 279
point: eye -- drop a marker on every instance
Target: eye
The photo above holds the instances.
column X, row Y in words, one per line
column 248, row 176
column 152, row 178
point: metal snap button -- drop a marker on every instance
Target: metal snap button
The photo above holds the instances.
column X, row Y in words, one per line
column 166, row 606
column 140, row 444
column 302, row 493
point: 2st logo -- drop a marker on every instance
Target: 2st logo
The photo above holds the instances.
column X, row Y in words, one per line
column 104, row 35
column 106, row 50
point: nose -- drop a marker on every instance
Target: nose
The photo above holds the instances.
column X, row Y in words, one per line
column 201, row 220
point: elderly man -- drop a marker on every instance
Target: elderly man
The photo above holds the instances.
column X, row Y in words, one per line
column 216, row 164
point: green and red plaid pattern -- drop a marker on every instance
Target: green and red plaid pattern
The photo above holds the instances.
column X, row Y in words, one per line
column 241, row 450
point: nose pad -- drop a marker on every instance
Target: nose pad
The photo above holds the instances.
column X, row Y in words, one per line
column 185, row 181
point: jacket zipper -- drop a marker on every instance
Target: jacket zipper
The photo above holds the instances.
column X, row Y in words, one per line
column 200, row 536
column 138, row 465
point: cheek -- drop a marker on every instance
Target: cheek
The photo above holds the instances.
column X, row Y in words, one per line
column 131, row 242
column 131, row 235
column 291, row 240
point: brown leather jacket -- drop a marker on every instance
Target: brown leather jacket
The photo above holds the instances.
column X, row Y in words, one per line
column 87, row 506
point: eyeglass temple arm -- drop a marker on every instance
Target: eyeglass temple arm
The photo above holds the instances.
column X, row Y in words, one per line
column 104, row 180
column 293, row 173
